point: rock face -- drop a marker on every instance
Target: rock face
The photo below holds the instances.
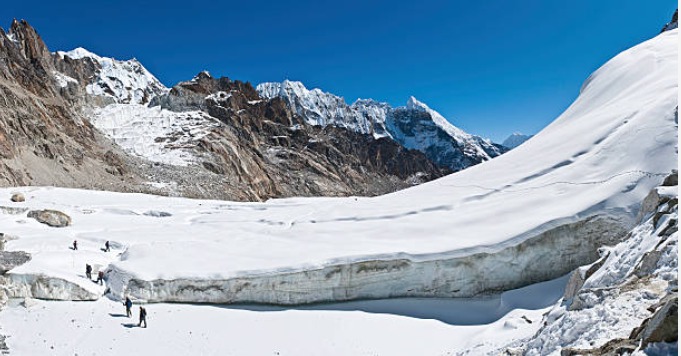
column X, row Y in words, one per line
column 414, row 126
column 76, row 119
column 52, row 218
column 270, row 151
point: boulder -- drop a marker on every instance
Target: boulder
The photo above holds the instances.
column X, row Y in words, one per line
column 52, row 218
column 18, row 198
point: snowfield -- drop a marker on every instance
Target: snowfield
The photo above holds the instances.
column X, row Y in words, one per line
column 459, row 236
column 531, row 215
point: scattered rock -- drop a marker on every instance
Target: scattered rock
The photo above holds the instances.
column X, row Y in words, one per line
column 52, row 218
column 11, row 259
column 157, row 214
column 18, row 198
column 12, row 210
column 28, row 303
column 663, row 326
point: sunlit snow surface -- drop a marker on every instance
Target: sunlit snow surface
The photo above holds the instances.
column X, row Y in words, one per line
column 602, row 156
column 381, row 327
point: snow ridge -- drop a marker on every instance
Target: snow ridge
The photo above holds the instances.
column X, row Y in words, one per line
column 124, row 81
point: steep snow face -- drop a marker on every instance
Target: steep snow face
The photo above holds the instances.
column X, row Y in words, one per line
column 125, row 82
column 156, row 134
column 321, row 109
column 415, row 126
column 516, row 139
column 419, row 127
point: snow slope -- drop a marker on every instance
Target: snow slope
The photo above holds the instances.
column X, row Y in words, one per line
column 575, row 186
column 156, row 134
column 123, row 81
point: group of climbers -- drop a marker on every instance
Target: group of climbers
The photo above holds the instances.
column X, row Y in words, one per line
column 88, row 267
column 100, row 280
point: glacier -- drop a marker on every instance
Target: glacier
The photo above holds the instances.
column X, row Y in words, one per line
column 529, row 215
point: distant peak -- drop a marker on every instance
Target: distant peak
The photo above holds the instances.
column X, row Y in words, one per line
column 79, row 53
column 414, row 104
column 204, row 74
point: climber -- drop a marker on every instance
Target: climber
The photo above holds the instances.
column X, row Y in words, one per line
column 88, row 271
column 100, row 277
column 143, row 317
column 75, row 245
column 128, row 307
column 107, row 248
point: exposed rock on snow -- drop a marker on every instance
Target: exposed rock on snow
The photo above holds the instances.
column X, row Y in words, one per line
column 12, row 210
column 18, row 198
column 52, row 218
column 674, row 23
column 629, row 299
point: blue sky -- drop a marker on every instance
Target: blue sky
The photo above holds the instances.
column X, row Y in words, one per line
column 490, row 67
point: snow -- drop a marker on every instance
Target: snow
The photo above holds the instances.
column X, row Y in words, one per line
column 424, row 326
column 622, row 142
column 156, row 134
column 430, row 133
column 63, row 80
column 613, row 301
column 320, row 108
column 124, row 81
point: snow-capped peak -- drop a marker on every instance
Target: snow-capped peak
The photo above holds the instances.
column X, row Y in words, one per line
column 78, row 53
column 438, row 119
column 124, row 81
column 442, row 142
column 515, row 140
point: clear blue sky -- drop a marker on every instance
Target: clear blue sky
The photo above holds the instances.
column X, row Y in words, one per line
column 490, row 67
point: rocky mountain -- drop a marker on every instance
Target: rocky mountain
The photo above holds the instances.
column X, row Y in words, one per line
column 76, row 119
column 44, row 140
column 414, row 126
column 126, row 82
column 515, row 140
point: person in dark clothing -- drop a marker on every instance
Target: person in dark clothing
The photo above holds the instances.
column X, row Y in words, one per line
column 128, row 308
column 75, row 245
column 88, row 271
column 143, row 317
column 107, row 248
column 100, row 277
